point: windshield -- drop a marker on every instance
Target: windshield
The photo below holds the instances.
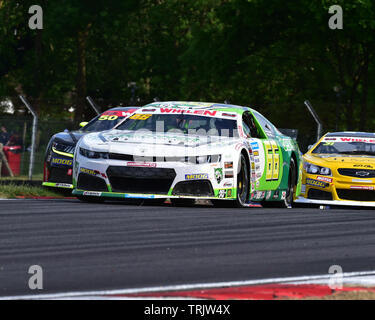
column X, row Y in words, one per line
column 181, row 123
column 107, row 120
column 348, row 146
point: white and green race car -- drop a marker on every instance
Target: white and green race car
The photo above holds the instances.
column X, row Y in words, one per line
column 185, row 151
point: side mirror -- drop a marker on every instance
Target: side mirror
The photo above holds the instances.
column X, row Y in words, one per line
column 82, row 124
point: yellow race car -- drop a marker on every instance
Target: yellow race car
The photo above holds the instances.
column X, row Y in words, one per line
column 340, row 170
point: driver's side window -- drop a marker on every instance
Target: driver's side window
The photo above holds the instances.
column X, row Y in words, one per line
column 249, row 126
column 246, row 130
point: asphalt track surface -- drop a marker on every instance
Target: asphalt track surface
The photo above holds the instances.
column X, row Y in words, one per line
column 84, row 247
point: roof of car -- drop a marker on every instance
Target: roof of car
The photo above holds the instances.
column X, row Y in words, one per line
column 121, row 108
column 199, row 105
column 351, row 134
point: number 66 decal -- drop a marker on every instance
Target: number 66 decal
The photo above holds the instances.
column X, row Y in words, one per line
column 272, row 160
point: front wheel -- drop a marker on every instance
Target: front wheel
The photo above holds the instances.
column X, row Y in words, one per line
column 243, row 187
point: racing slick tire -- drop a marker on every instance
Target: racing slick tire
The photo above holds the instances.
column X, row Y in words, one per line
column 90, row 199
column 288, row 201
column 243, row 187
column 177, row 202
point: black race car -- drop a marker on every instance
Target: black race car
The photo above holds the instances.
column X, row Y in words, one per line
column 58, row 161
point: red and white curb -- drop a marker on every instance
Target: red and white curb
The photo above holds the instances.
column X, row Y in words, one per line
column 265, row 289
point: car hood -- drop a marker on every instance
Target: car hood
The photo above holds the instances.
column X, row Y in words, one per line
column 347, row 161
column 156, row 144
column 70, row 138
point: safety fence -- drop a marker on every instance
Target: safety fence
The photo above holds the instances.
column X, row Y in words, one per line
column 16, row 136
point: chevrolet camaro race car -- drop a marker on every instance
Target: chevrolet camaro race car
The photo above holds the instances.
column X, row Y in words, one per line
column 340, row 170
column 58, row 163
column 185, row 151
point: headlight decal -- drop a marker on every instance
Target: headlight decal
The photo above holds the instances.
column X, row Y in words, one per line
column 93, row 154
column 314, row 169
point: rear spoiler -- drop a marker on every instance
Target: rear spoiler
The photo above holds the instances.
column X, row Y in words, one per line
column 293, row 133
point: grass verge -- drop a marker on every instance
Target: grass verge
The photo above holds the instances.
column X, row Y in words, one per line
column 12, row 191
column 24, row 177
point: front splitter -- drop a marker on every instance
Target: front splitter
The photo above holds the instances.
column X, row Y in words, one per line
column 303, row 200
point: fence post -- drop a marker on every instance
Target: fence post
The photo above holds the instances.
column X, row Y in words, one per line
column 316, row 118
column 33, row 137
column 93, row 105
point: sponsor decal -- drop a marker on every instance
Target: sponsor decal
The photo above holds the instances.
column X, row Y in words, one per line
column 256, row 160
column 229, row 193
column 63, row 162
column 351, row 139
column 283, row 195
column 70, row 172
column 259, row 195
column 142, row 196
column 92, row 172
column 228, row 115
column 89, row 171
column 303, row 188
column 362, row 187
column 63, row 185
column 228, row 174
column 228, row 165
column 257, row 184
column 276, row 194
column 316, row 183
column 253, row 166
column 324, row 179
column 118, row 113
column 362, row 166
column 196, row 176
column 268, row 195
column 219, row 174
column 228, row 184
column 357, row 140
column 92, row 193
column 256, row 153
column 254, row 146
column 141, row 164
column 360, row 180
column 211, row 113
column 222, row 193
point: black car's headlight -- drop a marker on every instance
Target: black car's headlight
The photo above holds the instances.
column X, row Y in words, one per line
column 314, row 169
column 93, row 154
column 62, row 147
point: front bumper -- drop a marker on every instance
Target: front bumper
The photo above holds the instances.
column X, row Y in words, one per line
column 58, row 185
column 140, row 180
column 58, row 171
column 303, row 200
column 337, row 189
